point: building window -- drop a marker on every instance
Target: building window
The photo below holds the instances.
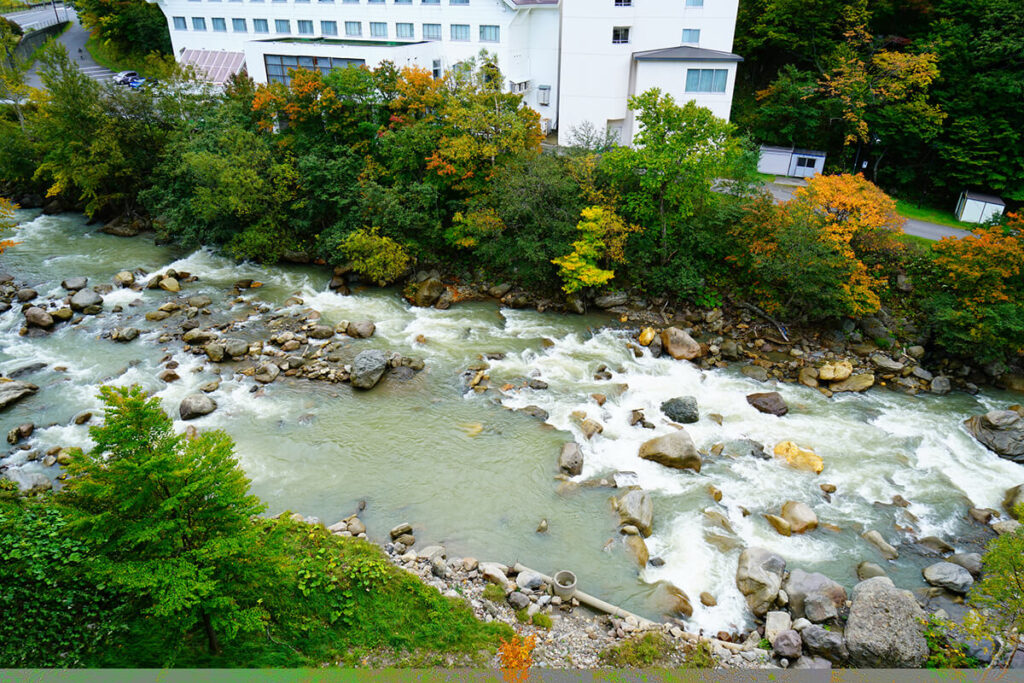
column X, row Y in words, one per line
column 430, row 2
column 378, row 29
column 305, row 27
column 706, row 80
column 329, row 28
column 431, row 31
column 490, row 34
column 326, row 0
column 353, row 28
column 375, row 2
column 620, row 35
column 458, row 2
column 279, row 65
column 623, row 3
column 350, row 2
column 198, row 24
column 694, row 3
column 436, row 71
column 219, row 24
column 238, row 25
column 282, row 26
column 405, row 30
column 403, row 2
column 179, row 24
column 260, row 26
column 691, row 36
column 544, row 95
column 460, row 31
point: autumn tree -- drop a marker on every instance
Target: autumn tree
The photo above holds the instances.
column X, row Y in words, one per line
column 7, row 222
column 602, row 237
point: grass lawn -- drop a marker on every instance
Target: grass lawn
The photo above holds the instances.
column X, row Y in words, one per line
column 924, row 213
column 914, row 240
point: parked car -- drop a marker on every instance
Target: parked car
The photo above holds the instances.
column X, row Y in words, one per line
column 125, row 77
column 137, row 83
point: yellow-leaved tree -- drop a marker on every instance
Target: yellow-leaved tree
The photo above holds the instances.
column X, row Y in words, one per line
column 7, row 222
column 602, row 238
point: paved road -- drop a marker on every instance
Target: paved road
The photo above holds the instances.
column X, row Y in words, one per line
column 783, row 192
column 73, row 39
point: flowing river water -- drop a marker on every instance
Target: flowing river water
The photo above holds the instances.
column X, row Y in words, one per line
column 478, row 477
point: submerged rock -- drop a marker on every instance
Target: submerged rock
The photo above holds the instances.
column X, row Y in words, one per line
column 1001, row 431
column 12, row 392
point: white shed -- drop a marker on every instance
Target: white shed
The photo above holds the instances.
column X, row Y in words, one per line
column 789, row 161
column 978, row 208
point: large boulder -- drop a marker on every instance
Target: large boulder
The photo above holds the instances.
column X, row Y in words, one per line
column 12, row 392
column 1001, row 431
column 788, row 644
column 1013, row 498
column 675, row 450
column 682, row 409
column 835, row 372
column 800, row 516
column 196, row 405
column 799, row 458
column 948, row 575
column 814, row 596
column 85, row 298
column 679, row 344
column 636, row 508
column 770, row 402
column 360, row 329
column 427, row 292
column 759, row 578
column 861, row 382
column 885, row 627
column 570, row 460
column 368, row 367
column 671, row 601
column 37, row 317
column 611, row 300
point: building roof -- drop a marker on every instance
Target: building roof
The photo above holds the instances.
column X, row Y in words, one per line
column 685, row 53
column 215, row 66
column 987, row 198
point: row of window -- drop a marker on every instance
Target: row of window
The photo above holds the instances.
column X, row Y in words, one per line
column 618, row 3
column 353, row 29
column 620, row 35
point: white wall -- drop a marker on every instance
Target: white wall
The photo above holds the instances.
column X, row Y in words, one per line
column 671, row 78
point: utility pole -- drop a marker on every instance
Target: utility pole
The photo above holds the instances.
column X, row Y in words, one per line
column 56, row 16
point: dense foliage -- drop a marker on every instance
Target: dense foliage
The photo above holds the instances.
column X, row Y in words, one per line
column 131, row 29
column 153, row 555
column 388, row 170
column 922, row 96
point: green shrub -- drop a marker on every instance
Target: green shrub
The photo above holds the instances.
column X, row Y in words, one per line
column 374, row 256
column 494, row 593
column 700, row 656
column 943, row 651
column 522, row 616
column 636, row 653
column 542, row 620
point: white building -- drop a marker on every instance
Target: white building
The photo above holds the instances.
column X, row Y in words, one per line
column 573, row 60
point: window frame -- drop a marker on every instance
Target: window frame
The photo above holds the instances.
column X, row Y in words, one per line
column 616, row 31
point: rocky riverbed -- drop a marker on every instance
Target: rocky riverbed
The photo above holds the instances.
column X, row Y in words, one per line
column 650, row 450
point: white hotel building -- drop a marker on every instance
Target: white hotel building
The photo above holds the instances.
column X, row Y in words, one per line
column 573, row 60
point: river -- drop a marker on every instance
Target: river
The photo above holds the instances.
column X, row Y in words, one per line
column 415, row 451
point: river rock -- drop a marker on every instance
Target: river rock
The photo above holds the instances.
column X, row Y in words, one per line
column 679, row 344
column 940, row 386
column 779, row 524
column 800, row 516
column 196, row 405
column 590, row 428
column 266, row 373
column 671, row 600
column 124, row 335
column 646, row 336
column 20, row 432
column 1013, row 498
column 770, row 402
column 1001, row 431
column 25, row 294
column 321, row 332
column 73, row 284
column 759, row 578
column 788, row 644
column 612, row 300
column 808, row 377
column 361, row 329
column 530, row 581
column 799, row 458
column 828, row 644
column 368, row 367
column 215, row 352
column 637, row 550
column 869, row 570
column 948, row 575
column 885, row 628
column 198, row 336
column 969, row 561
column 518, row 601
column 1006, row 526
column 494, row 573
column 813, row 595
column 12, row 392
column 236, row 348
column 170, row 284
column 62, row 314
column 28, row 481
column 570, row 461
column 776, row 622
column 755, row 372
column 861, row 382
column 682, row 409
column 675, row 450
column 635, row 507
column 883, row 362
column 125, row 278
column 427, row 292
column 835, row 372
column 85, row 298
column 37, row 317
column 875, row 539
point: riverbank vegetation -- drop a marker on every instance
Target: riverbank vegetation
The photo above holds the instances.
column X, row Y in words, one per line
column 154, row 554
column 389, row 169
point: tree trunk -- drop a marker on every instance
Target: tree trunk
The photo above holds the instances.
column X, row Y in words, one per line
column 211, row 635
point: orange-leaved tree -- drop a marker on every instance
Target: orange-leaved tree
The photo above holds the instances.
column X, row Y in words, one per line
column 7, row 222
column 516, row 658
column 974, row 298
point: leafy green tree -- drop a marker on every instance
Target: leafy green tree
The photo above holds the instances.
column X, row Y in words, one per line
column 169, row 517
column 133, row 28
column 374, row 256
column 999, row 595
